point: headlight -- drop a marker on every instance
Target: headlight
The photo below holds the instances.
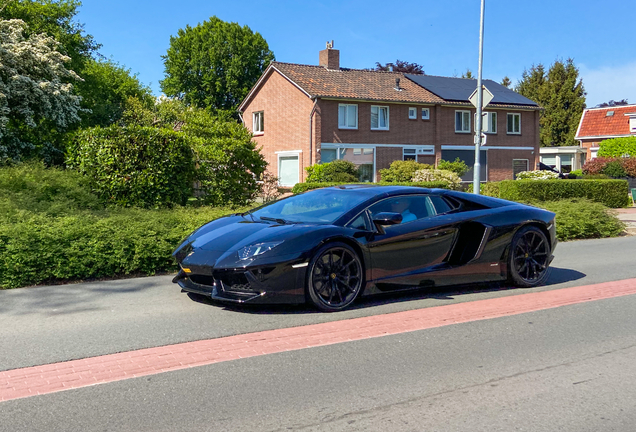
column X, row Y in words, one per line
column 256, row 249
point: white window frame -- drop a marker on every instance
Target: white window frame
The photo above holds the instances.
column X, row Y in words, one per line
column 426, row 113
column 346, row 112
column 464, row 117
column 411, row 152
column 412, row 113
column 487, row 117
column 380, row 107
column 258, row 124
column 289, row 153
column 508, row 117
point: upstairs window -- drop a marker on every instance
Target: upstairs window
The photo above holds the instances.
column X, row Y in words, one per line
column 347, row 116
column 379, row 117
column 257, row 122
column 489, row 122
column 412, row 113
column 514, row 124
column 426, row 113
column 462, row 121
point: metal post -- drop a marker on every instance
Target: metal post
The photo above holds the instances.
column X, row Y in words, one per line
column 480, row 98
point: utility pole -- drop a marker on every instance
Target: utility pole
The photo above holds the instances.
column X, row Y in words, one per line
column 480, row 98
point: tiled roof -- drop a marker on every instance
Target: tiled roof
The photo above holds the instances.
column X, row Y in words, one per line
column 355, row 84
column 596, row 123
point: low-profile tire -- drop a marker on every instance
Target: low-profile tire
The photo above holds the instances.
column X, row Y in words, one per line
column 529, row 258
column 335, row 277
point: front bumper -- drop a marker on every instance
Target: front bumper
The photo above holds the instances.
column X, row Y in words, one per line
column 277, row 284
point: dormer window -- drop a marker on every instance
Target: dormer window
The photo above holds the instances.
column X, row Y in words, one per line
column 632, row 123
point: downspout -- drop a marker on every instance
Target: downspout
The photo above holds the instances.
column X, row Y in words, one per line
column 311, row 128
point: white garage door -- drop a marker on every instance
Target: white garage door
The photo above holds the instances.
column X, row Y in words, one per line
column 288, row 170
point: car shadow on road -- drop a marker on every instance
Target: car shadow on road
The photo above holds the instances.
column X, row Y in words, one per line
column 450, row 293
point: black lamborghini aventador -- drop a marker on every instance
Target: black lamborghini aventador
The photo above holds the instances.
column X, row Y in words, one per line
column 328, row 246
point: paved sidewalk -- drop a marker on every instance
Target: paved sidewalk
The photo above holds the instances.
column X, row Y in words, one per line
column 39, row 380
column 628, row 215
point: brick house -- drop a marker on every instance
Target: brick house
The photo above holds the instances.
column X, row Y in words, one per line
column 302, row 115
column 598, row 124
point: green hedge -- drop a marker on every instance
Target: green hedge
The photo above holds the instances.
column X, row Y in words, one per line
column 611, row 193
column 304, row 187
column 36, row 248
column 581, row 219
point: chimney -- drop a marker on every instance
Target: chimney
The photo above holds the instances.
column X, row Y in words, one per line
column 329, row 57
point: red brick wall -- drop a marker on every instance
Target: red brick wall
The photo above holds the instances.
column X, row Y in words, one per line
column 286, row 120
column 500, row 162
column 587, row 144
column 384, row 157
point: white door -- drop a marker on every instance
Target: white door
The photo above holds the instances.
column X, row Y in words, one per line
column 288, row 170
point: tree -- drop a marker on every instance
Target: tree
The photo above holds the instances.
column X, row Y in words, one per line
column 468, row 74
column 506, row 82
column 214, row 64
column 55, row 18
column 105, row 88
column 35, row 100
column 401, row 66
column 560, row 91
column 613, row 103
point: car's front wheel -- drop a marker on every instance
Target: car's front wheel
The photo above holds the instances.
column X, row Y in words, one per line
column 335, row 277
column 529, row 257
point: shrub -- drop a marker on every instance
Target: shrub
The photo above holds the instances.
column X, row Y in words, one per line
column 596, row 165
column 135, row 166
column 612, row 193
column 537, row 175
column 618, row 147
column 401, row 171
column 576, row 173
column 269, row 189
column 490, row 189
column 304, row 187
column 629, row 165
column 450, row 178
column 459, row 167
column 614, row 169
column 580, row 218
column 334, row 171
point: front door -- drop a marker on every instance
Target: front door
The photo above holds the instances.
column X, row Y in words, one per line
column 288, row 172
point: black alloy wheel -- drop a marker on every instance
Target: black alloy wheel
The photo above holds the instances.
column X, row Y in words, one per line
column 335, row 277
column 529, row 257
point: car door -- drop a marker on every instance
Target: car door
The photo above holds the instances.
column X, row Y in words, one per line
column 404, row 252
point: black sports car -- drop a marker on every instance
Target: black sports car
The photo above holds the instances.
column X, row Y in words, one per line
column 328, row 246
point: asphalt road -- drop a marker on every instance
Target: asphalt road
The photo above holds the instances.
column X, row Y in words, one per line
column 571, row 368
column 51, row 324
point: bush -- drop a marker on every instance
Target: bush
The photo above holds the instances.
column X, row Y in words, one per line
column 595, row 166
column 304, row 187
column 618, row 147
column 580, row 218
column 135, row 165
column 459, row 167
column 401, row 171
column 537, row 175
column 612, row 193
column 577, row 173
column 490, row 189
column 614, row 169
column 451, row 179
column 335, row 171
column 629, row 165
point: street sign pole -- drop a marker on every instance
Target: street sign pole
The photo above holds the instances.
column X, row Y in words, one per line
column 476, row 184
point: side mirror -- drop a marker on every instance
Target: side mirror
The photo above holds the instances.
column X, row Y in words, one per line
column 386, row 218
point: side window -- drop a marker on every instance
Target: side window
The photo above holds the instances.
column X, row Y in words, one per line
column 360, row 223
column 440, row 204
column 411, row 207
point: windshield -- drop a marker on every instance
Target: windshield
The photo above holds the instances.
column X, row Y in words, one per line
column 317, row 206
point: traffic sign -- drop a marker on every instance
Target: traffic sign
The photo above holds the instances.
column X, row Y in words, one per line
column 485, row 99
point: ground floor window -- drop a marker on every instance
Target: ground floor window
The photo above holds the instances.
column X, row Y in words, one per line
column 363, row 157
column 409, row 154
column 288, row 170
column 519, row 165
column 468, row 156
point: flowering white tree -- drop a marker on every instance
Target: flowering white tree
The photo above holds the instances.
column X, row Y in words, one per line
column 35, row 89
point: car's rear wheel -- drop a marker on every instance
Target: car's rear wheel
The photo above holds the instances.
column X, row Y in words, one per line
column 529, row 257
column 335, row 277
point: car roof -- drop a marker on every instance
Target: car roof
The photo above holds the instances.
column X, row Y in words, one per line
column 376, row 190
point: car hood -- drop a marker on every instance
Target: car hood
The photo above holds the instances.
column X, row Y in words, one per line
column 229, row 234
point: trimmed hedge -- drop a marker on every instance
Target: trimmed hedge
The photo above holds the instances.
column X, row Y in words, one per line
column 304, row 187
column 611, row 193
column 583, row 219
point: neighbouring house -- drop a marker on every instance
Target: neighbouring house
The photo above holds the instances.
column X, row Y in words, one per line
column 598, row 124
column 564, row 158
column 302, row 115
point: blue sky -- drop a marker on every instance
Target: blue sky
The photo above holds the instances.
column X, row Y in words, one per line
column 443, row 36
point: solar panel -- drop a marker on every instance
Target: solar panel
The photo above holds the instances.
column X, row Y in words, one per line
column 460, row 89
